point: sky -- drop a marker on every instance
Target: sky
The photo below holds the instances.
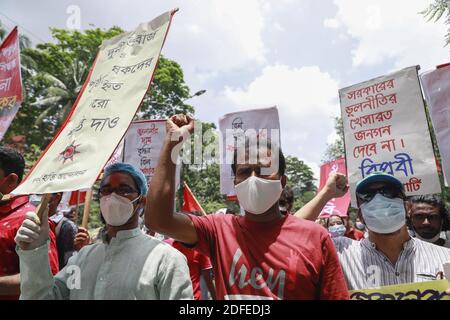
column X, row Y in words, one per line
column 293, row 54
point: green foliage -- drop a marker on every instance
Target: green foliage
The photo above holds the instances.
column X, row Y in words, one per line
column 337, row 149
column 436, row 10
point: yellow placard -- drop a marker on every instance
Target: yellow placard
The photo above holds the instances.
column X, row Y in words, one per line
column 430, row 290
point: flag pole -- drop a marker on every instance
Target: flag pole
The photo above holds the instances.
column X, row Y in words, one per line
column 87, row 207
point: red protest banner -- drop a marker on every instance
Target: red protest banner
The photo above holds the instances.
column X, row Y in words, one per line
column 10, row 80
column 340, row 205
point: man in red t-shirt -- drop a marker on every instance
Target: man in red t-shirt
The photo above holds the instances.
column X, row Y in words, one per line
column 261, row 255
column 199, row 265
column 12, row 214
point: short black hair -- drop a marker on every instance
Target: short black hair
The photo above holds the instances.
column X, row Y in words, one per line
column 287, row 195
column 281, row 159
column 11, row 161
column 435, row 201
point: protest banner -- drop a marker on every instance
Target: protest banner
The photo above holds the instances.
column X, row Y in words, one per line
column 429, row 290
column 114, row 89
column 385, row 129
column 142, row 146
column 264, row 123
column 340, row 205
column 10, row 80
column 436, row 87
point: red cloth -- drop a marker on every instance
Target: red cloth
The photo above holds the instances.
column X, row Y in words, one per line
column 286, row 259
column 12, row 214
column 354, row 234
column 74, row 198
column 189, row 202
column 196, row 263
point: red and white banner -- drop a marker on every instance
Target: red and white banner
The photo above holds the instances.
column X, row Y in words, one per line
column 436, row 86
column 335, row 206
column 115, row 87
column 10, row 80
column 386, row 130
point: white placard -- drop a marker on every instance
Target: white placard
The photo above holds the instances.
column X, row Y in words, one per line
column 260, row 120
column 386, row 130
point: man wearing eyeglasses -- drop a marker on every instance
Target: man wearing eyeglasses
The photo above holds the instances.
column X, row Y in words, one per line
column 126, row 265
column 389, row 256
column 428, row 219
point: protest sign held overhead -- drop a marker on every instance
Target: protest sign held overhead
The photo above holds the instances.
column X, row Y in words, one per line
column 143, row 143
column 385, row 129
column 260, row 123
column 339, row 205
column 436, row 86
column 10, row 80
column 114, row 89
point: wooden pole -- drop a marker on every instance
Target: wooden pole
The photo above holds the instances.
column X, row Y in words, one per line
column 87, row 207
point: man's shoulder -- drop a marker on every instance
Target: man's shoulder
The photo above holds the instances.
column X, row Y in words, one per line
column 430, row 247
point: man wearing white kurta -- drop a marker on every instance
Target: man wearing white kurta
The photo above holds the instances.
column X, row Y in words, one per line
column 126, row 265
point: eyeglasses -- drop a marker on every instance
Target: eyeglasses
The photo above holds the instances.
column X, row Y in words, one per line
column 387, row 191
column 419, row 217
column 123, row 191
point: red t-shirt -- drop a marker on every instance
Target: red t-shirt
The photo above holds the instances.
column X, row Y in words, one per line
column 196, row 263
column 12, row 214
column 290, row 258
column 355, row 234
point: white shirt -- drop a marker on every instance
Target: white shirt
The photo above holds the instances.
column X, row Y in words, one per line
column 365, row 267
column 132, row 266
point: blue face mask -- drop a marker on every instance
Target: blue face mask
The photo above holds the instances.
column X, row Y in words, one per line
column 338, row 230
column 384, row 215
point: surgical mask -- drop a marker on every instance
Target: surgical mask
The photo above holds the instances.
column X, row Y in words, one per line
column 116, row 210
column 360, row 226
column 384, row 215
column 338, row 230
column 257, row 195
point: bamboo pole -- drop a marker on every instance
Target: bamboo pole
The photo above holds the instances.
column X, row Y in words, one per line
column 87, row 207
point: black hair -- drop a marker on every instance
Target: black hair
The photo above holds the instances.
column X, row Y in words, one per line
column 287, row 195
column 12, row 161
column 335, row 215
column 246, row 145
column 435, row 201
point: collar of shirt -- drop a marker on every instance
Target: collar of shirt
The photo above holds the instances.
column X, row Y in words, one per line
column 123, row 235
column 407, row 246
column 6, row 207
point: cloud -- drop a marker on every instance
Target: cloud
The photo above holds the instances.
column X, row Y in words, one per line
column 307, row 100
column 391, row 30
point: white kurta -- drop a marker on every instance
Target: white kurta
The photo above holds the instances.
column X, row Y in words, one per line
column 132, row 266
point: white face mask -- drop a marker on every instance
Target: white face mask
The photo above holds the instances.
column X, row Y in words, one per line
column 116, row 210
column 360, row 226
column 384, row 215
column 257, row 195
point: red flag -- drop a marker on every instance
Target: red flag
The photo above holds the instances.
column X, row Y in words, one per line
column 340, row 205
column 77, row 197
column 10, row 80
column 190, row 203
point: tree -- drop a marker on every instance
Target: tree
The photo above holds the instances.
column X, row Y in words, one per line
column 436, row 10
column 300, row 180
column 336, row 149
